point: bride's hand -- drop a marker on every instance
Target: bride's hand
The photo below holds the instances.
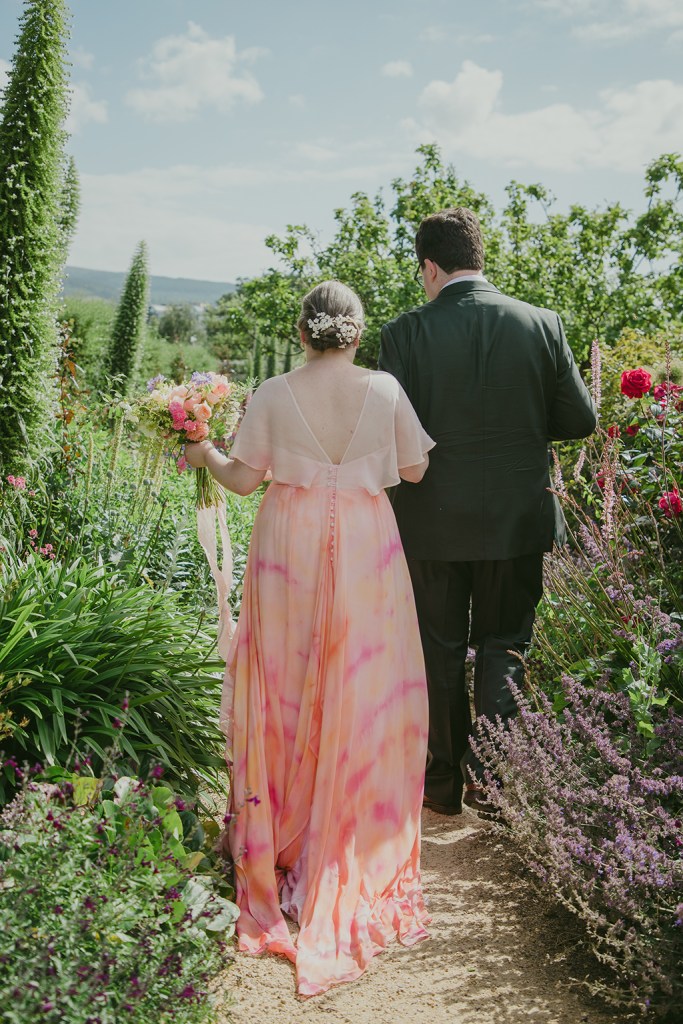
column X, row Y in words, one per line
column 195, row 453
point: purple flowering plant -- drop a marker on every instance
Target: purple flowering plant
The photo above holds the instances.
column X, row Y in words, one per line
column 595, row 812
column 588, row 778
column 110, row 910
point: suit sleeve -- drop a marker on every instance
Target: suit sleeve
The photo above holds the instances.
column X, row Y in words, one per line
column 390, row 359
column 572, row 412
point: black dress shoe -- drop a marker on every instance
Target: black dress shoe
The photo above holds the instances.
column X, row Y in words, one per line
column 449, row 809
column 475, row 798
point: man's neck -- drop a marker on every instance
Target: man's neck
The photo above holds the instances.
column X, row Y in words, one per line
column 463, row 275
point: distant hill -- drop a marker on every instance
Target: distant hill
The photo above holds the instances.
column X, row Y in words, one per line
column 107, row 284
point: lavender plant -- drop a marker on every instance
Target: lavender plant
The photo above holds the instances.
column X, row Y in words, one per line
column 103, row 916
column 595, row 812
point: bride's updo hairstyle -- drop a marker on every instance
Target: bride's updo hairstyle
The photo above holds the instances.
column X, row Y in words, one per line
column 331, row 316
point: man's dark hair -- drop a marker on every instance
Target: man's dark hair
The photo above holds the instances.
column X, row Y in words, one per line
column 452, row 239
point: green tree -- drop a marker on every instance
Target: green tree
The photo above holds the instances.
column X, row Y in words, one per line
column 181, row 324
column 603, row 270
column 128, row 332
column 31, row 241
column 265, row 309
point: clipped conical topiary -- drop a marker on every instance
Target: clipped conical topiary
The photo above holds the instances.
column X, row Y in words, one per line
column 70, row 204
column 31, row 241
column 257, row 362
column 287, row 366
column 271, row 363
column 129, row 326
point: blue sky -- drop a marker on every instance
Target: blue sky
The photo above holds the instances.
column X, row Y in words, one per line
column 203, row 126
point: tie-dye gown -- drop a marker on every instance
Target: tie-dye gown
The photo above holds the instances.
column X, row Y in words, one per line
column 325, row 700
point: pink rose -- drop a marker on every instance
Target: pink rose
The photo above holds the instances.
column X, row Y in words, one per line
column 196, row 431
column 220, row 388
column 182, row 464
column 192, row 402
column 635, row 383
column 202, row 412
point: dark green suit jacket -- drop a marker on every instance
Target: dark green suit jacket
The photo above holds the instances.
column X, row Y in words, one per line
column 492, row 380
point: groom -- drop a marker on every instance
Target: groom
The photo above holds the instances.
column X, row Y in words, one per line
column 493, row 381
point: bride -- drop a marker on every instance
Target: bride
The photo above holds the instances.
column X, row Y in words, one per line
column 325, row 700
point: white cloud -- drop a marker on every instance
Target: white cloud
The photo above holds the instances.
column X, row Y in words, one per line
column 81, row 58
column 612, row 21
column 398, row 69
column 454, row 34
column 624, row 129
column 84, row 108
column 315, row 152
column 433, row 34
column 191, row 71
column 189, row 214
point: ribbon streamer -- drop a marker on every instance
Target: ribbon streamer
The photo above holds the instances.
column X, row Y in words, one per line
column 206, row 534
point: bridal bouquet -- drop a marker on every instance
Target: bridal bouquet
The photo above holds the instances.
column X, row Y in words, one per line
column 207, row 406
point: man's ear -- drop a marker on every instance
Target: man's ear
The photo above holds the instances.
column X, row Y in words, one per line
column 432, row 269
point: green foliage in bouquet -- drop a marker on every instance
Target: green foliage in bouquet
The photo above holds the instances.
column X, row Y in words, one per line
column 32, row 248
column 109, row 908
column 75, row 638
column 127, row 337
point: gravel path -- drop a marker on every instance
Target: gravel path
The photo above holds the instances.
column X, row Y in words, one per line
column 496, row 954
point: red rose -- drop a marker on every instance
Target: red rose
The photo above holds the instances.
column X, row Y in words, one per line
column 635, row 383
column 614, row 431
column 665, row 391
column 633, row 429
column 670, row 504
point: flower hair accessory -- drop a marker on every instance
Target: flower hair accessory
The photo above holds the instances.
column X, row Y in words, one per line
column 344, row 327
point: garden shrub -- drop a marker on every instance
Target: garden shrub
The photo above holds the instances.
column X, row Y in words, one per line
column 594, row 809
column 614, row 595
column 587, row 778
column 75, row 637
column 104, row 918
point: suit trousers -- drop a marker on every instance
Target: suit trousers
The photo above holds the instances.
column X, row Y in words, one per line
column 489, row 605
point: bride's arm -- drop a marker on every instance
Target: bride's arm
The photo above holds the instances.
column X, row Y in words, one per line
column 231, row 473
